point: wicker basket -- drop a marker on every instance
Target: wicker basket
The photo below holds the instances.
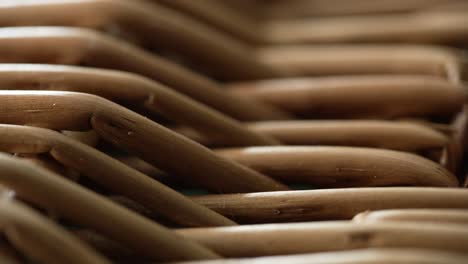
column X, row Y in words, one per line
column 143, row 131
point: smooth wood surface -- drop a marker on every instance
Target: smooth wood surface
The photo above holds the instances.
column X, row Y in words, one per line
column 298, row 238
column 39, row 238
column 358, row 256
column 342, row 59
column 365, row 133
column 432, row 27
column 136, row 134
column 405, row 136
column 342, row 166
column 109, row 173
column 88, row 209
column 324, row 8
column 440, row 216
column 132, row 90
column 140, row 22
column 358, row 97
column 74, row 46
column 330, row 204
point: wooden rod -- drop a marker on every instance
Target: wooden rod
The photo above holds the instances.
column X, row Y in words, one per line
column 380, row 97
column 342, row 59
column 299, row 238
column 140, row 22
column 358, row 256
column 449, row 216
column 86, row 208
column 405, row 136
column 61, row 45
column 132, row 90
column 433, row 27
column 39, row 238
column 329, row 204
column 109, row 173
column 134, row 133
column 342, row 166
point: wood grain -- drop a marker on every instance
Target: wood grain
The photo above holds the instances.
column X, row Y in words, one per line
column 283, row 239
column 329, row 204
column 131, row 90
column 109, row 173
column 136, row 134
column 380, row 97
column 88, row 209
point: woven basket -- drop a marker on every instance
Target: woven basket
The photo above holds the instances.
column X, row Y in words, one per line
column 233, row 131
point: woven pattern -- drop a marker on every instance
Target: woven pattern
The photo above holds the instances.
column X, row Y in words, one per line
column 232, row 131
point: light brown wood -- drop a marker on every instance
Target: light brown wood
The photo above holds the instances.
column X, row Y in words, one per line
column 329, row 204
column 439, row 216
column 362, row 97
column 109, row 173
column 358, row 256
column 306, row 21
column 283, row 239
column 73, row 46
column 83, row 207
column 405, row 136
column 434, row 27
column 320, row 8
column 131, row 89
column 367, row 133
column 134, row 133
column 342, row 59
column 383, row 254
column 40, row 239
column 342, row 166
column 140, row 22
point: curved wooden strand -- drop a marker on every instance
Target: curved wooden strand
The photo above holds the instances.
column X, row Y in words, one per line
column 359, row 97
column 342, row 166
column 40, row 239
column 88, row 209
column 440, row 216
column 342, row 59
column 62, row 45
column 134, row 133
column 127, row 88
column 358, row 256
column 109, row 173
column 142, row 21
column 329, row 204
column 404, row 136
column 435, row 27
column 325, row 8
column 298, row 238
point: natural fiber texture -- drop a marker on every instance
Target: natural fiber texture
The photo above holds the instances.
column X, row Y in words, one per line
column 233, row 131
